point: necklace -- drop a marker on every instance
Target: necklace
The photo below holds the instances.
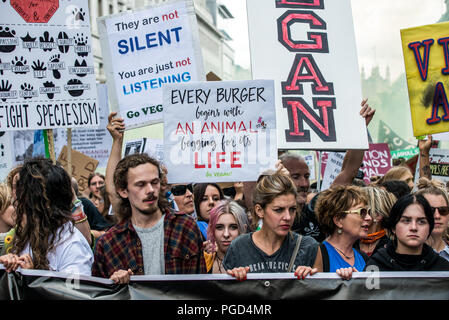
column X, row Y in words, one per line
column 219, row 262
column 344, row 254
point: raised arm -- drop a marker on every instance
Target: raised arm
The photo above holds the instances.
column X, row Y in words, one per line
column 116, row 127
column 424, row 158
column 353, row 158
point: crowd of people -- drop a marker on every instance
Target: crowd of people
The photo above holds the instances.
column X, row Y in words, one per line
column 133, row 222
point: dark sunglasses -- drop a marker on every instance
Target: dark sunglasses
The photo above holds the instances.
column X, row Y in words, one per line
column 362, row 212
column 444, row 211
column 229, row 192
column 181, row 189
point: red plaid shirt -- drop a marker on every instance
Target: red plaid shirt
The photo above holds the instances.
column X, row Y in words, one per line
column 120, row 248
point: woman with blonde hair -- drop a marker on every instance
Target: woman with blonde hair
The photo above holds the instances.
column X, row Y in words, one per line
column 380, row 202
column 402, row 173
column 7, row 219
column 273, row 248
column 435, row 193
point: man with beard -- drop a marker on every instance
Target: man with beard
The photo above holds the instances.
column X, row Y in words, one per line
column 306, row 222
column 150, row 238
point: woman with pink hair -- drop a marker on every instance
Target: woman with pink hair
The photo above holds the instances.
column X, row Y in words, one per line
column 227, row 221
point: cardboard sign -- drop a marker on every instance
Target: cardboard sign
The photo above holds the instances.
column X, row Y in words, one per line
column 376, row 161
column 308, row 48
column 426, row 57
column 219, row 131
column 47, row 68
column 82, row 167
column 146, row 50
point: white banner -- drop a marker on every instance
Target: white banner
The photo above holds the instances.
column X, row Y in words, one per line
column 219, row 131
column 144, row 51
column 308, row 48
column 47, row 69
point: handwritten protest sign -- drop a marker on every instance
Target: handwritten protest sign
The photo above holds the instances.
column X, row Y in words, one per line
column 145, row 50
column 308, row 48
column 46, row 66
column 426, row 58
column 376, row 161
column 82, row 166
column 439, row 165
column 219, row 131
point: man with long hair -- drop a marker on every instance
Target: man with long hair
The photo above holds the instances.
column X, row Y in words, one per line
column 150, row 238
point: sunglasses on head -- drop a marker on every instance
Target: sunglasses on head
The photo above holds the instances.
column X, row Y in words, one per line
column 181, row 189
column 444, row 211
column 362, row 212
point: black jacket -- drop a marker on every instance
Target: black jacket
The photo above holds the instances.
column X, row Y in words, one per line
column 387, row 259
column 383, row 242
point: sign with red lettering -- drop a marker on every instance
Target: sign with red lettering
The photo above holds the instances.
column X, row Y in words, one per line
column 219, row 131
column 308, row 48
column 376, row 161
column 35, row 11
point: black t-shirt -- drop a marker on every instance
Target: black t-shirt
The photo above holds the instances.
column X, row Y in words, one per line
column 307, row 224
column 243, row 252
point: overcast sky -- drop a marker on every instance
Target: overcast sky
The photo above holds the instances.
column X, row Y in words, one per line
column 377, row 27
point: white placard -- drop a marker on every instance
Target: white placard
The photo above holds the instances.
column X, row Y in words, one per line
column 308, row 48
column 219, row 131
column 333, row 168
column 439, row 165
column 47, row 69
column 146, row 50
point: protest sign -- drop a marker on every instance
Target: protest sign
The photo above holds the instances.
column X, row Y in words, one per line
column 376, row 161
column 46, row 64
column 406, row 153
column 93, row 142
column 439, row 165
column 145, row 50
column 426, row 57
column 219, row 131
column 82, row 167
column 308, row 48
column 334, row 164
column 5, row 155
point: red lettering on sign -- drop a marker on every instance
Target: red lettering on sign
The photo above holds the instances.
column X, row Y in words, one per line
column 35, row 11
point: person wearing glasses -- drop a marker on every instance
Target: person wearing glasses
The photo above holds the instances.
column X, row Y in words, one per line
column 380, row 202
column 435, row 193
column 411, row 222
column 344, row 216
column 183, row 197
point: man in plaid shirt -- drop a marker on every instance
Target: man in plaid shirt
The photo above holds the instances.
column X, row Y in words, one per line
column 150, row 238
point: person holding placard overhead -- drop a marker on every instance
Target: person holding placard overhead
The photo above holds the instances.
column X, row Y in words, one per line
column 273, row 248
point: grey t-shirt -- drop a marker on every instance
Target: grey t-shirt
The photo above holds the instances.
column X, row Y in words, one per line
column 243, row 252
column 152, row 240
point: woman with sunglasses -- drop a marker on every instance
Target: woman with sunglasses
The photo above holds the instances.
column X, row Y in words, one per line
column 344, row 216
column 380, row 202
column 411, row 223
column 206, row 196
column 435, row 193
column 183, row 196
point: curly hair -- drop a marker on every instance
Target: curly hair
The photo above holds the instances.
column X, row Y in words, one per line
column 121, row 181
column 333, row 201
column 43, row 205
